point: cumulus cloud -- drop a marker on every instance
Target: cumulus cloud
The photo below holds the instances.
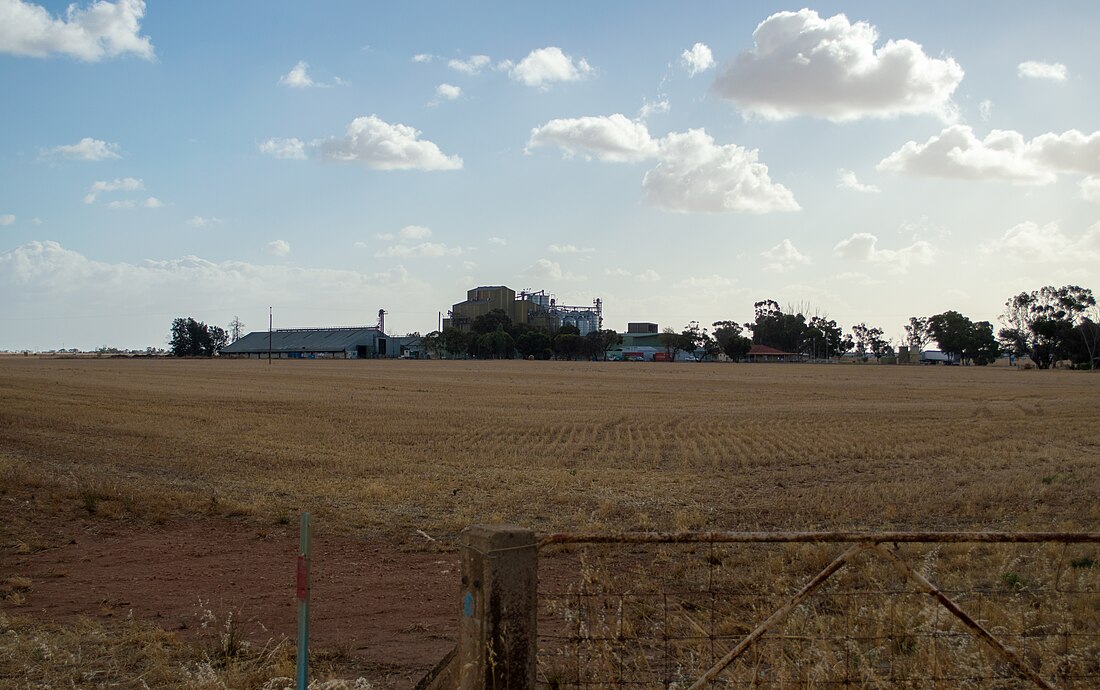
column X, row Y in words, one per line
column 101, row 30
column 550, row 270
column 569, row 249
column 846, row 179
column 1030, row 242
column 202, row 222
column 448, row 92
column 697, row 58
column 7, row 219
column 498, row 241
column 299, row 78
column 802, row 64
column 696, row 175
column 784, row 257
column 612, row 138
column 545, row 66
column 277, row 247
column 471, row 65
column 292, row 148
column 648, row 276
column 87, row 149
column 1003, row 155
column 423, row 57
column 1051, row 71
column 693, row 174
column 125, row 184
column 415, row 232
column 1090, row 189
column 382, row 146
column 424, row 249
column 150, row 202
column 862, row 246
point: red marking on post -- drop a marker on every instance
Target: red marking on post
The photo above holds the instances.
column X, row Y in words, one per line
column 303, row 578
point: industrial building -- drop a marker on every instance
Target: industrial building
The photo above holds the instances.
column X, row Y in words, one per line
column 350, row 342
column 532, row 308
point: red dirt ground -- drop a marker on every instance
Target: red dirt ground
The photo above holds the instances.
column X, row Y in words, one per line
column 390, row 612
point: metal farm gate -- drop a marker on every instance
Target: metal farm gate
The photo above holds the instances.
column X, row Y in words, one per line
column 777, row 610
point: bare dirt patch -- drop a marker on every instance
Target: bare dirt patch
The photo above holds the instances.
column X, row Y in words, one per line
column 380, row 611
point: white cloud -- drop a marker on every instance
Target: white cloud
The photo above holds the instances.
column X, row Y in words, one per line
column 152, row 202
column 648, row 276
column 613, row 138
column 569, row 249
column 298, row 76
column 544, row 66
column 284, row 148
column 415, row 232
column 423, row 57
column 382, row 146
column 125, row 184
column 693, row 174
column 697, row 58
column 7, row 219
column 985, row 110
column 103, row 29
column 1029, row 243
column 784, row 257
column 1090, row 189
column 801, row 64
column 846, row 179
column 710, row 282
column 87, row 149
column 471, row 65
column 424, row 249
column 1052, row 71
column 696, row 175
column 448, row 91
column 863, row 246
column 277, row 247
column 37, row 221
column 498, row 241
column 1003, row 155
column 653, row 107
column 550, row 270
column 201, row 222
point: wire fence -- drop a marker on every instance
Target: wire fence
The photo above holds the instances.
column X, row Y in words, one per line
column 896, row 610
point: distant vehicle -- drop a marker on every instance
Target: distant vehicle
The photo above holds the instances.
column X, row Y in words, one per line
column 937, row 357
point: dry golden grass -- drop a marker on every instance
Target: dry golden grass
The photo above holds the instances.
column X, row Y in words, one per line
column 398, row 446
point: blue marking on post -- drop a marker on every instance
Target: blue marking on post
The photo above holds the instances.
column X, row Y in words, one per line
column 468, row 605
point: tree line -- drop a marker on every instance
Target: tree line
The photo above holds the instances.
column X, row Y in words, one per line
column 1044, row 326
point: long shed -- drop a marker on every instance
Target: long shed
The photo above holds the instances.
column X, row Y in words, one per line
column 361, row 342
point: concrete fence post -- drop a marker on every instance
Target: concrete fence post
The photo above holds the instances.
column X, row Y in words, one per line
column 498, row 639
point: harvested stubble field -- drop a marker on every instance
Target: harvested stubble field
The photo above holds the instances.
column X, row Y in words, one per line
column 381, row 451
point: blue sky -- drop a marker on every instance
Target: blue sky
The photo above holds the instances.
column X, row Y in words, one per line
column 867, row 161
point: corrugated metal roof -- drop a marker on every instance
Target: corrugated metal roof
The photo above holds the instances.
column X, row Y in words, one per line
column 306, row 340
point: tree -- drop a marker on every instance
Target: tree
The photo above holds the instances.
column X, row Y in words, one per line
column 191, row 338
column 727, row 334
column 236, row 329
column 568, row 345
column 916, row 332
column 455, row 342
column 958, row 335
column 434, row 343
column 869, row 340
column 825, row 338
column 696, row 339
column 534, row 342
column 776, row 329
column 491, row 321
column 495, row 345
column 597, row 343
column 1041, row 323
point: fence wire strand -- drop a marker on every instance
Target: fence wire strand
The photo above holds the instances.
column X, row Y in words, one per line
column 662, row 614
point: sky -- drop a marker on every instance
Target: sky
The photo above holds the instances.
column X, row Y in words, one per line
column 864, row 161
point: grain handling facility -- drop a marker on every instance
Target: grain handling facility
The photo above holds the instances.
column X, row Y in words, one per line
column 358, row 342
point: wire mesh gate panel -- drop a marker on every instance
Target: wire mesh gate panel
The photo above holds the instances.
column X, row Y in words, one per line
column 890, row 610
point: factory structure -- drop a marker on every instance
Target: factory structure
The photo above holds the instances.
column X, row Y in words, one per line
column 533, row 308
column 345, row 342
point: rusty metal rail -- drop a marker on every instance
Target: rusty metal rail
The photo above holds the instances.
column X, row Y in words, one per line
column 819, row 538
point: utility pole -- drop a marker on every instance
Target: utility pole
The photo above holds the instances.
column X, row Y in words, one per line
column 269, row 322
